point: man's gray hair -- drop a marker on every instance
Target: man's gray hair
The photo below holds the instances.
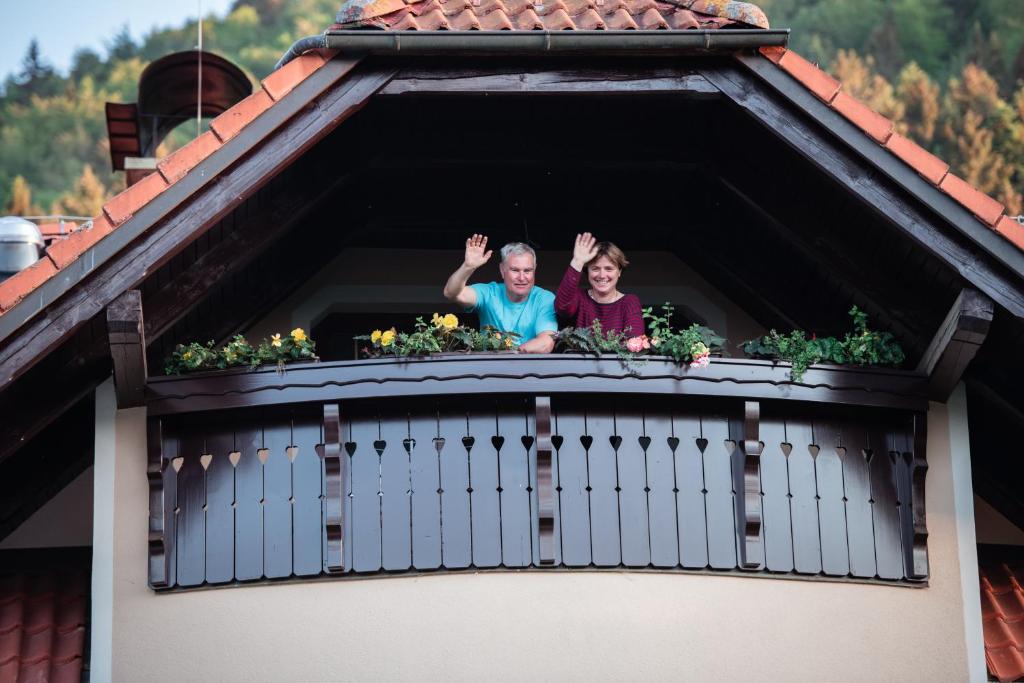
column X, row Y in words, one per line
column 515, row 249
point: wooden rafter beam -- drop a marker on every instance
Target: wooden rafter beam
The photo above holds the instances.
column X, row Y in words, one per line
column 125, row 330
column 956, row 342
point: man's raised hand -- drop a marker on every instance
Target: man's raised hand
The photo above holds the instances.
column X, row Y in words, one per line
column 476, row 254
column 584, row 250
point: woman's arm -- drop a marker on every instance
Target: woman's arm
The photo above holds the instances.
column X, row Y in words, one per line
column 567, row 301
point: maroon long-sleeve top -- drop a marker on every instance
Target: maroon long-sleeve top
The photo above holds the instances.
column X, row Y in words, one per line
column 576, row 305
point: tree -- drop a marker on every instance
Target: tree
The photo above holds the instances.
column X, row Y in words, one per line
column 20, row 203
column 37, row 77
column 920, row 98
column 86, row 199
column 884, row 45
column 860, row 80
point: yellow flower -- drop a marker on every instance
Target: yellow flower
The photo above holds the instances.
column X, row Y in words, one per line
column 388, row 338
column 437, row 320
column 187, row 355
column 508, row 342
column 275, row 340
column 375, row 336
column 450, row 322
column 298, row 334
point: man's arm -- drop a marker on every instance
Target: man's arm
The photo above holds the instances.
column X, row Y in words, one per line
column 542, row 343
column 455, row 288
column 547, row 323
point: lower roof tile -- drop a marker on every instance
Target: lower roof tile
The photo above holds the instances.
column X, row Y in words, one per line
column 973, row 199
column 17, row 286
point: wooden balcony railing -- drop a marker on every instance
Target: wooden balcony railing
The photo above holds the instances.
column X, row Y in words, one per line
column 508, row 461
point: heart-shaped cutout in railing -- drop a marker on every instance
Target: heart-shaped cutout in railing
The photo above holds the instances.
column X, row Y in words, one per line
column 702, row 444
column 467, row 442
column 497, row 442
column 557, row 441
column 645, row 442
column 408, row 445
column 673, row 443
column 615, row 440
column 350, row 448
column 587, row 441
column 439, row 444
column 528, row 442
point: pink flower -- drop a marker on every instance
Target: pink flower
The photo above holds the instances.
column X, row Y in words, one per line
column 638, row 344
column 702, row 361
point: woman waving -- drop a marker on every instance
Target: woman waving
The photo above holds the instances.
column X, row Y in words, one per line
column 601, row 300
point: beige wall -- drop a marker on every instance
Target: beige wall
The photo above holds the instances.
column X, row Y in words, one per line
column 532, row 625
column 410, row 280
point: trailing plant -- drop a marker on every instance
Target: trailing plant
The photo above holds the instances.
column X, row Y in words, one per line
column 861, row 347
column 441, row 334
column 693, row 345
column 196, row 357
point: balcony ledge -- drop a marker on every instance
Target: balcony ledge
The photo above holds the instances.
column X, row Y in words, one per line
column 506, row 373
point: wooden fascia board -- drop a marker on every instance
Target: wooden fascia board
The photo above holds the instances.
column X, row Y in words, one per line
column 956, row 342
column 138, row 254
column 747, row 88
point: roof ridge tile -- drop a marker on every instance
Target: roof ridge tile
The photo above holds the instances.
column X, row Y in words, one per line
column 281, row 82
column 974, row 200
column 813, row 78
column 229, row 123
column 17, row 286
column 864, row 117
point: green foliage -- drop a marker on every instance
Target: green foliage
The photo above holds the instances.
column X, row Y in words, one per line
column 693, row 345
column 595, row 341
column 196, row 357
column 442, row 334
column 861, row 347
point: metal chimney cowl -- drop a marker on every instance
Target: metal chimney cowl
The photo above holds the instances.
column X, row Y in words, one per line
column 21, row 245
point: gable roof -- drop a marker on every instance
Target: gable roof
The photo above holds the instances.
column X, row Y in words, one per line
column 17, row 305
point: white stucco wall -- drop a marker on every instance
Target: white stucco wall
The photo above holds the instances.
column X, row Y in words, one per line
column 530, row 625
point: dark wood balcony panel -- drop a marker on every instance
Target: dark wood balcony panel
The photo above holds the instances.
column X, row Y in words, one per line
column 523, row 374
column 434, row 483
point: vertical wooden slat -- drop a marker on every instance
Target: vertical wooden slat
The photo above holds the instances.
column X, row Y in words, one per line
column 533, row 424
column 426, row 499
column 632, row 471
column 804, row 489
column 334, row 486
column 456, row 534
column 248, row 509
column 155, row 465
column 749, row 514
column 718, row 479
column 347, row 526
column 884, row 508
column 172, row 449
column 483, row 444
column 220, row 512
column 661, row 480
column 778, row 530
column 688, row 446
column 857, row 486
column 396, row 533
column 191, row 532
column 835, row 552
column 366, row 495
column 604, row 485
column 899, row 445
column 307, row 485
column 516, row 537
column 919, row 471
column 277, row 507
column 570, row 442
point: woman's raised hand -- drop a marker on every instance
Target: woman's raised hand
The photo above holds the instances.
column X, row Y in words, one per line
column 584, row 250
column 476, row 254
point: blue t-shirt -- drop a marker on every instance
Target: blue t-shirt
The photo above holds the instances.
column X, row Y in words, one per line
column 528, row 318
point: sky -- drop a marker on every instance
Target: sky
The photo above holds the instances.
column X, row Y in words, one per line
column 63, row 26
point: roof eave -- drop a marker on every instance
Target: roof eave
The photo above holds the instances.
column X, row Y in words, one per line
column 512, row 43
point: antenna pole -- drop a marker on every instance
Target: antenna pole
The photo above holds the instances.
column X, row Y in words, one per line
column 199, row 80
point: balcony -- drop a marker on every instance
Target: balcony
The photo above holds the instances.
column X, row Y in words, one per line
column 502, row 461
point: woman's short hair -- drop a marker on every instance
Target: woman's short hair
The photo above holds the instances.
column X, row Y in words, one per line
column 515, row 249
column 614, row 254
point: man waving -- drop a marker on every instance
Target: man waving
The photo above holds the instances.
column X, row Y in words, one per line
column 514, row 305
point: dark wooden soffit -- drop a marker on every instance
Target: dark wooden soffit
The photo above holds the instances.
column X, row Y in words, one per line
column 503, row 373
column 956, row 342
column 177, row 218
column 976, row 252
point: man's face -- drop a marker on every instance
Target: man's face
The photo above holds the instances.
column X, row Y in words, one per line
column 518, row 272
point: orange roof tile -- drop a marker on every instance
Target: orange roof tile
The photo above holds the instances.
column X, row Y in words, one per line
column 1002, row 615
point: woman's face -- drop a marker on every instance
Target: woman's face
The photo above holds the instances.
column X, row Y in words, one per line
column 603, row 275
